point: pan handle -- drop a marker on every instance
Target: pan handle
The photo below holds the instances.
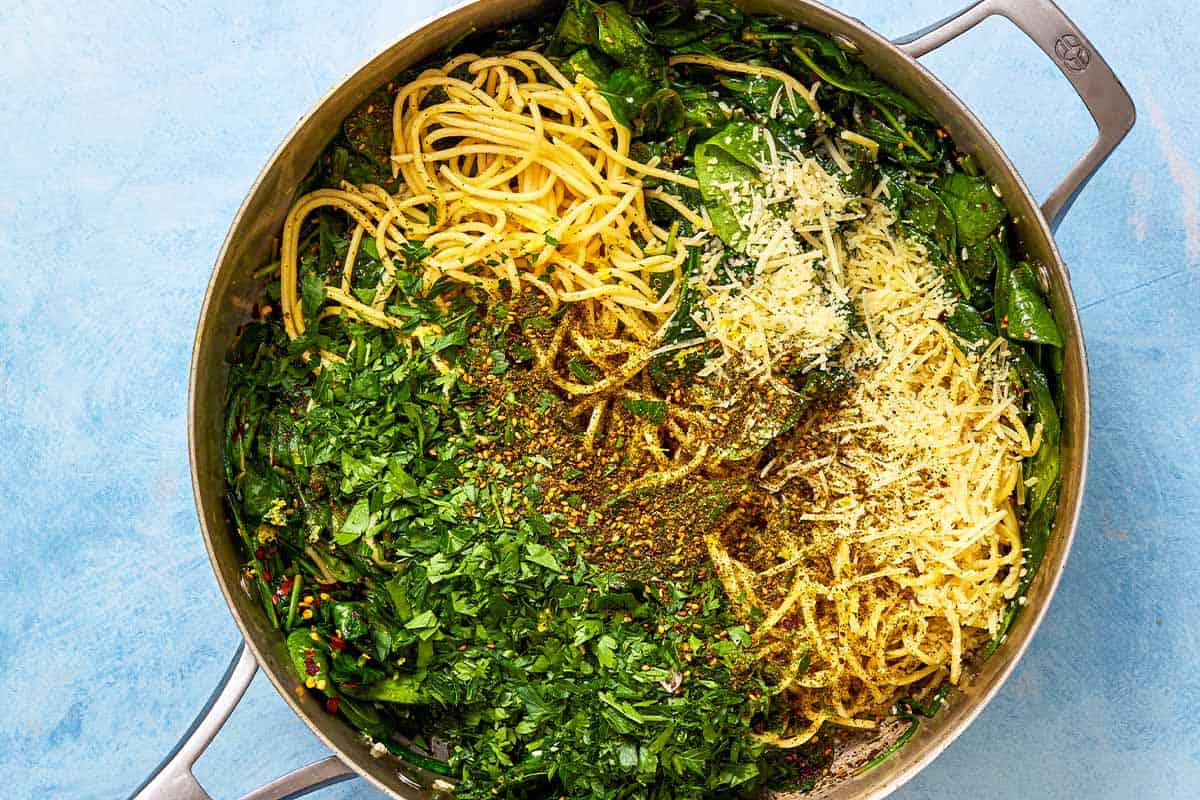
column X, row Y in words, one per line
column 173, row 778
column 1051, row 30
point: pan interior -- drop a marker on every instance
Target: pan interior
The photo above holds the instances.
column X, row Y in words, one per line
column 232, row 293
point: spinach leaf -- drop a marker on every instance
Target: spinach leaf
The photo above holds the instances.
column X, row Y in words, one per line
column 732, row 157
column 676, row 38
column 914, row 145
column 610, row 29
column 1025, row 314
column 364, row 717
column 674, row 369
column 980, row 264
column 1041, row 404
column 627, row 91
column 350, row 619
column 356, row 523
column 894, row 196
column 402, row 691
column 976, row 209
column 928, row 221
column 310, row 659
column 261, row 490
column 759, row 95
column 1036, row 530
column 1041, row 503
column 968, row 324
column 664, row 112
column 362, row 152
column 715, row 168
column 589, row 64
column 832, row 65
column 742, row 140
column 925, row 213
column 700, row 110
column 640, row 105
column 312, row 294
column 1002, row 288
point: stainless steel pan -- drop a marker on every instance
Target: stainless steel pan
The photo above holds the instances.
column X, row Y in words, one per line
column 232, row 292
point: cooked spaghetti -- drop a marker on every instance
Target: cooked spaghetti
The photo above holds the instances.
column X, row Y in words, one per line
column 518, row 178
column 738, row 319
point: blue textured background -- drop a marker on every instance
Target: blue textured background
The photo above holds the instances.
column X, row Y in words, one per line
column 131, row 132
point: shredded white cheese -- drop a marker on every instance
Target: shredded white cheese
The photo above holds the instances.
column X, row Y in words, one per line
column 912, row 497
column 792, row 307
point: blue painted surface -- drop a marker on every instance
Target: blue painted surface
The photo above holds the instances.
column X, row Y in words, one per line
column 131, row 133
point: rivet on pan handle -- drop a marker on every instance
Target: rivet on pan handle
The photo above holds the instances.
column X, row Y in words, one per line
column 173, row 778
column 1051, row 30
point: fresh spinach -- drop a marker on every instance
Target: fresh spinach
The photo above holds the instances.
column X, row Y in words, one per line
column 610, row 29
column 969, row 325
column 822, row 56
column 1026, row 316
column 976, row 209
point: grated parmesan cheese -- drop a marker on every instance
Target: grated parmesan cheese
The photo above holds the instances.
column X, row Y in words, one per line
column 792, row 307
column 903, row 550
column 910, row 511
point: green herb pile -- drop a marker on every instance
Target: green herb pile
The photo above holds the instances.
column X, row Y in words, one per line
column 420, row 592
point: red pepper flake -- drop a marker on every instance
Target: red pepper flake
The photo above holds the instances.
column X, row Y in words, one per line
column 337, row 642
column 259, row 554
column 286, row 586
column 266, row 574
column 274, row 599
column 331, row 705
